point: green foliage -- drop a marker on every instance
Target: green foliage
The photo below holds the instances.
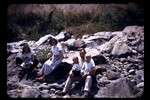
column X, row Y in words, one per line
column 78, row 22
column 42, row 55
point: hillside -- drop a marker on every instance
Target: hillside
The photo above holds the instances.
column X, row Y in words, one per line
column 31, row 21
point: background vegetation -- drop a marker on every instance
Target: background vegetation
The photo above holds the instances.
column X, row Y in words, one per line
column 32, row 21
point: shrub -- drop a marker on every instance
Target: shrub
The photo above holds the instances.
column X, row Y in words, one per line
column 42, row 54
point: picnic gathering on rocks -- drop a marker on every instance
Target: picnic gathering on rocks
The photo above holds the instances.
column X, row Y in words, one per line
column 100, row 65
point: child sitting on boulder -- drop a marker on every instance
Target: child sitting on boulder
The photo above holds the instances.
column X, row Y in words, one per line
column 76, row 69
column 25, row 68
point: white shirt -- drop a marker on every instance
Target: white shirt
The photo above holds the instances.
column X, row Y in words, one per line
column 64, row 51
column 26, row 64
column 81, row 61
column 29, row 55
column 55, row 50
column 76, row 67
column 87, row 66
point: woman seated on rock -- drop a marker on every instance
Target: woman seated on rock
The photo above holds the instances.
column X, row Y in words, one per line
column 27, row 53
column 51, row 63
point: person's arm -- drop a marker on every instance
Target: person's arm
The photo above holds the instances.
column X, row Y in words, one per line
column 71, row 72
column 61, row 54
column 93, row 68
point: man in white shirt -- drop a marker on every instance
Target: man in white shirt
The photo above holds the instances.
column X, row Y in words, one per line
column 88, row 69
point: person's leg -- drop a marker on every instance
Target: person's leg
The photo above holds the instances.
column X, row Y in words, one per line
column 24, row 71
column 68, row 84
column 87, row 87
column 47, row 68
column 18, row 61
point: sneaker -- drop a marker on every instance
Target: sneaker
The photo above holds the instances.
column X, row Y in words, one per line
column 86, row 94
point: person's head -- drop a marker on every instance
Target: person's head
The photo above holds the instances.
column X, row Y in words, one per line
column 26, row 49
column 75, row 60
column 87, row 57
column 63, row 44
column 82, row 53
column 53, row 41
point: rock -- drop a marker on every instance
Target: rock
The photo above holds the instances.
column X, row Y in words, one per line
column 123, row 60
column 140, row 48
column 99, row 59
column 111, row 75
column 66, row 96
column 119, row 89
column 79, row 43
column 56, row 86
column 107, row 46
column 132, row 71
column 31, row 93
column 43, row 87
column 133, row 29
column 52, row 90
column 92, row 51
column 61, row 71
column 140, row 73
column 117, row 33
column 104, row 80
column 131, row 38
column 63, row 36
column 42, row 40
column 14, row 93
column 140, row 85
column 120, row 48
column 73, row 44
column 45, row 94
column 102, row 93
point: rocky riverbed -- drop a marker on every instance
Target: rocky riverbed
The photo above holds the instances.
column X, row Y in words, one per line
column 119, row 58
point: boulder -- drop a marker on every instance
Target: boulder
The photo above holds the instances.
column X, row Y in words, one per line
column 119, row 89
column 99, row 59
column 63, row 36
column 120, row 48
column 60, row 72
column 43, row 40
column 133, row 29
column 31, row 93
column 111, row 75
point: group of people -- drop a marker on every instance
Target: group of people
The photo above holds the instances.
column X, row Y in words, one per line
column 83, row 67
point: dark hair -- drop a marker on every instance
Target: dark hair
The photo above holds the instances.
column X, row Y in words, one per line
column 50, row 41
column 83, row 50
column 26, row 46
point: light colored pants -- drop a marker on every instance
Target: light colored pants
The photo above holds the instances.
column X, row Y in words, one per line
column 70, row 80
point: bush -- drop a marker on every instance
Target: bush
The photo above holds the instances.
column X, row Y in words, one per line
column 42, row 54
column 78, row 21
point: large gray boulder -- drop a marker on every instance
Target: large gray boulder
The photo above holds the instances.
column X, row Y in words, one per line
column 120, row 48
column 133, row 29
column 116, row 89
column 31, row 93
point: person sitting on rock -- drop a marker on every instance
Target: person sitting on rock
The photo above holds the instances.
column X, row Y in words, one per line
column 25, row 68
column 76, row 69
column 52, row 62
column 82, row 54
column 64, row 49
column 26, row 52
column 74, row 75
column 87, row 71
